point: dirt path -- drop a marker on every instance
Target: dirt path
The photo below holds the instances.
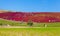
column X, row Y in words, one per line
column 18, row 27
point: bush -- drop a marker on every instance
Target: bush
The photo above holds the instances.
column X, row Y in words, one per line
column 1, row 24
column 30, row 23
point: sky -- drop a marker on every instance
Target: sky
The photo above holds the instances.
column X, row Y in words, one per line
column 31, row 5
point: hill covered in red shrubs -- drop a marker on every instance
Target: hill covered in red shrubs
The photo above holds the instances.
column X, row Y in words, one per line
column 31, row 16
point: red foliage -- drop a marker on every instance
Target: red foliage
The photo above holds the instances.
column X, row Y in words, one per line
column 35, row 17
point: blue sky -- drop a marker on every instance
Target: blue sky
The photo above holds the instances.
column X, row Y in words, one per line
column 31, row 5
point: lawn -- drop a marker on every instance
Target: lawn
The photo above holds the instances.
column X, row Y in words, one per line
column 50, row 31
column 19, row 23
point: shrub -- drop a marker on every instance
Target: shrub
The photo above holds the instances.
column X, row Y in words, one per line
column 30, row 23
column 1, row 24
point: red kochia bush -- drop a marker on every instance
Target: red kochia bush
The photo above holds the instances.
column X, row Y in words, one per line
column 35, row 17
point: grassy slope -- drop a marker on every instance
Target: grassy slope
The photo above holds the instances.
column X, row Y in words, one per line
column 18, row 23
column 10, row 22
column 29, row 31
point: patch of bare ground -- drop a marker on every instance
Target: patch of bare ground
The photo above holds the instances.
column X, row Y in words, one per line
column 19, row 27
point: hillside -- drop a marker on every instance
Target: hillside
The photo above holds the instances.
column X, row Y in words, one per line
column 34, row 16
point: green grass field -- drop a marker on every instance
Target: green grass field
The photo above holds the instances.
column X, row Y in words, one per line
column 18, row 23
column 30, row 31
column 52, row 29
